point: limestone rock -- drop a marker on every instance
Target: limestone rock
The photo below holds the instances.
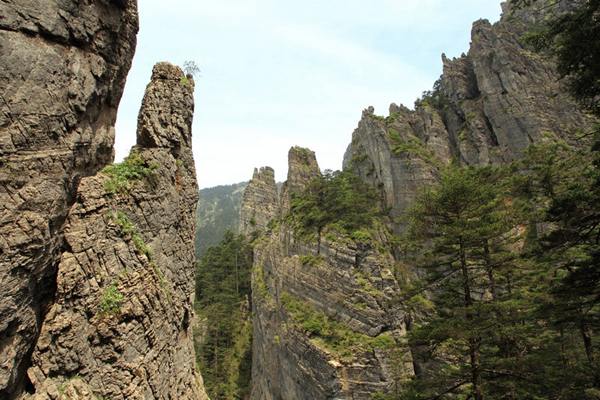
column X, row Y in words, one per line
column 120, row 325
column 62, row 72
column 302, row 168
column 260, row 202
column 350, row 282
column 497, row 99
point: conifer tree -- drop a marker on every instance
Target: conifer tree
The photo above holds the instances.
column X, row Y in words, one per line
column 464, row 229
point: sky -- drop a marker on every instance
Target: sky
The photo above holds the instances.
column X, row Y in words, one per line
column 277, row 74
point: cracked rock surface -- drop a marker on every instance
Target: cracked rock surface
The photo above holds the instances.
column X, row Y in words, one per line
column 120, row 326
column 63, row 65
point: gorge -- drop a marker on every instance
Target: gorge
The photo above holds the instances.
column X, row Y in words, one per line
column 97, row 259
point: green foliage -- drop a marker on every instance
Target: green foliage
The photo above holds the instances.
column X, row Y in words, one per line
column 141, row 246
column 391, row 118
column 496, row 324
column 128, row 173
column 223, row 298
column 327, row 332
column 466, row 222
column 359, row 158
column 123, row 222
column 435, row 98
column 572, row 38
column 310, row 260
column 185, row 81
column 111, row 301
column 217, row 212
column 127, row 229
column 334, row 199
column 413, row 146
column 360, row 236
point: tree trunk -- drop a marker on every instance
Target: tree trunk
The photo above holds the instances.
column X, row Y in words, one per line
column 589, row 350
column 474, row 342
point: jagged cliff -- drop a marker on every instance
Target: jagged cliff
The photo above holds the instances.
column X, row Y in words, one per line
column 96, row 267
column 62, row 72
column 487, row 107
column 120, row 325
column 259, row 201
column 349, row 283
column 490, row 104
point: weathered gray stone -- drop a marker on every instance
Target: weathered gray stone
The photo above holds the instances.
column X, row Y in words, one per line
column 260, row 202
column 143, row 348
column 499, row 98
column 352, row 283
column 62, row 72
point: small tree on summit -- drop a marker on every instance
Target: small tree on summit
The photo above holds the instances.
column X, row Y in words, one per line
column 191, row 68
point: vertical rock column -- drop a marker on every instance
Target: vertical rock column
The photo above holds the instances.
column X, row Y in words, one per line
column 260, row 203
column 63, row 65
column 120, row 326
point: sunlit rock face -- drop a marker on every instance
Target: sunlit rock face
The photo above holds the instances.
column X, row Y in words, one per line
column 62, row 72
column 351, row 282
column 494, row 102
column 497, row 99
column 120, row 324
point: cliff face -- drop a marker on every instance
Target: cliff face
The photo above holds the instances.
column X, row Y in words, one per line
column 62, row 71
column 96, row 267
column 487, row 108
column 493, row 103
column 120, row 325
column 259, row 201
column 343, row 287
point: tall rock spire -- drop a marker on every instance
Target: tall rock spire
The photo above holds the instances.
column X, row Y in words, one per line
column 121, row 317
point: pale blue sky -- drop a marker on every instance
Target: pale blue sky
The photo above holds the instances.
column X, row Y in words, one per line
column 276, row 74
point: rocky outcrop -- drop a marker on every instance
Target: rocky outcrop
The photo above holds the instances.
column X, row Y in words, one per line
column 489, row 106
column 120, row 324
column 260, row 201
column 309, row 293
column 345, row 285
column 62, row 72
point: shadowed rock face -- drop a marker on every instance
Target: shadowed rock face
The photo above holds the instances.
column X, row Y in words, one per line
column 62, row 72
column 120, row 324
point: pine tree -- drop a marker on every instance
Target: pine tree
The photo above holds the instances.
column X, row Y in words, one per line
column 477, row 335
column 222, row 300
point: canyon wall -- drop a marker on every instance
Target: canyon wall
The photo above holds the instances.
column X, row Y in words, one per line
column 345, row 285
column 63, row 66
column 487, row 107
column 96, row 265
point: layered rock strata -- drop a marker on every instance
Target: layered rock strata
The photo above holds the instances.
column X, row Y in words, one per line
column 62, row 72
column 488, row 107
column 120, row 324
column 259, row 202
column 494, row 101
column 345, row 282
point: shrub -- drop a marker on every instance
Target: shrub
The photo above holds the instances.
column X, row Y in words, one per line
column 334, row 335
column 128, row 173
column 334, row 199
column 360, row 235
column 111, row 301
